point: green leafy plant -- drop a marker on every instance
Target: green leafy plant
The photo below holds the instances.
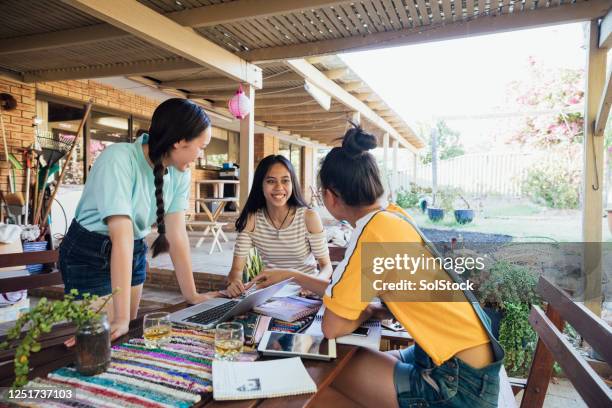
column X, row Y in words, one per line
column 254, row 265
column 411, row 197
column 41, row 319
column 512, row 289
column 555, row 184
column 445, row 198
column 517, row 338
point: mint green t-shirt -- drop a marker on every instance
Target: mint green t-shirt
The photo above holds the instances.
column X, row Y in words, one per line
column 121, row 182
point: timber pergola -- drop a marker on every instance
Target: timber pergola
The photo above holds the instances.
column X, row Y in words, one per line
column 201, row 49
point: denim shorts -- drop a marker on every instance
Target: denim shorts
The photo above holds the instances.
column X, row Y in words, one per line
column 84, row 261
column 420, row 383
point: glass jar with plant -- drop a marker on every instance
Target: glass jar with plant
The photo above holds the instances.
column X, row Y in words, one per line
column 92, row 335
column 508, row 291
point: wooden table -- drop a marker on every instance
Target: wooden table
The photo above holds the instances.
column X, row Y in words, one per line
column 220, row 201
column 218, row 187
column 55, row 355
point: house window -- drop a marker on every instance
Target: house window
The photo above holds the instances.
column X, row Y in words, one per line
column 294, row 153
column 104, row 130
column 223, row 148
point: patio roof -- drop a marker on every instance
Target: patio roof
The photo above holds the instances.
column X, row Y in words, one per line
column 201, row 49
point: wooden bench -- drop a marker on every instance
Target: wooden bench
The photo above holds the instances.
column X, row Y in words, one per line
column 553, row 346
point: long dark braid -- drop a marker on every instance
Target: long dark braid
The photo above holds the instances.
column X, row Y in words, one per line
column 161, row 243
column 174, row 120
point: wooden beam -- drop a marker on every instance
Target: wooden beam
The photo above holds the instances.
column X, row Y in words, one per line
column 143, row 22
column 306, row 70
column 298, row 110
column 592, row 206
column 566, row 13
column 352, row 86
column 297, row 117
column 292, row 101
column 604, row 106
column 106, row 70
column 205, row 84
column 605, row 31
column 276, row 93
column 206, row 16
column 338, row 73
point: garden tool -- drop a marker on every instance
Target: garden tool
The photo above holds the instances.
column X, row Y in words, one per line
column 74, row 142
column 7, row 103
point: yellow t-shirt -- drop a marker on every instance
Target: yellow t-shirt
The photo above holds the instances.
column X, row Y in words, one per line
column 442, row 329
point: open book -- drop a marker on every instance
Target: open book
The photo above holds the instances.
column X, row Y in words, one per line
column 289, row 308
column 260, row 379
column 371, row 341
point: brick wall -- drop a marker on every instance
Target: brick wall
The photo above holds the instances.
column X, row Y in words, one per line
column 19, row 122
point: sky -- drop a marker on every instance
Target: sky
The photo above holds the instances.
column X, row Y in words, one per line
column 464, row 77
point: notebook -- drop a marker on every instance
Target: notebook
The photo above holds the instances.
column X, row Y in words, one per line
column 371, row 341
column 260, row 379
column 255, row 325
column 289, row 308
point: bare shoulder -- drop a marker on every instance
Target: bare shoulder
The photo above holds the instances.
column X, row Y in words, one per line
column 250, row 224
column 313, row 221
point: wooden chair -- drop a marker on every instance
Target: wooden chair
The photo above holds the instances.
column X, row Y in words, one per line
column 553, row 346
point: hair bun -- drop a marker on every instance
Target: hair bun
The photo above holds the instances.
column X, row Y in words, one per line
column 356, row 141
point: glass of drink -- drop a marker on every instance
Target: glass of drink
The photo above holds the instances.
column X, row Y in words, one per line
column 157, row 329
column 229, row 338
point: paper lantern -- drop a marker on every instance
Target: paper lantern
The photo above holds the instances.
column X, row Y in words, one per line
column 239, row 105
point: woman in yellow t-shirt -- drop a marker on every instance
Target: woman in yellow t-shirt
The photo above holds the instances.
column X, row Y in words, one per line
column 456, row 359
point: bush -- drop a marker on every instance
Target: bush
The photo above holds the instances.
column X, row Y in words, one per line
column 554, row 184
column 410, row 198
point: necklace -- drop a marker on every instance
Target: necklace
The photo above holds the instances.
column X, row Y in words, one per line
column 278, row 229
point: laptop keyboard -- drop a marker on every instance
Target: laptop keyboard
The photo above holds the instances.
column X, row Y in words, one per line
column 210, row 315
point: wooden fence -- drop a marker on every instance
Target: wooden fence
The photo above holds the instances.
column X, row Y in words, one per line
column 480, row 173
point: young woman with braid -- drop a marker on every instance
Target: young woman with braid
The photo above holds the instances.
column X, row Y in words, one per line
column 130, row 187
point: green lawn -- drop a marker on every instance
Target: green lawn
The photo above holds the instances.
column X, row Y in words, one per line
column 522, row 220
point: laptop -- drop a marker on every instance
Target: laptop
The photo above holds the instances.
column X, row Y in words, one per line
column 207, row 314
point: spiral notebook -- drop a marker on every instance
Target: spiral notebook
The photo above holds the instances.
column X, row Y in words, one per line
column 260, row 379
column 289, row 308
column 371, row 341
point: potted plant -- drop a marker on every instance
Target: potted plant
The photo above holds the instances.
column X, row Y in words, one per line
column 92, row 334
column 464, row 215
column 445, row 197
column 507, row 293
column 254, row 265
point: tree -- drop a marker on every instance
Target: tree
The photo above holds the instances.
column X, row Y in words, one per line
column 558, row 94
column 448, row 142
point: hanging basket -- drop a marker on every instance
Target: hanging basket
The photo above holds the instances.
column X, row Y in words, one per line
column 239, row 105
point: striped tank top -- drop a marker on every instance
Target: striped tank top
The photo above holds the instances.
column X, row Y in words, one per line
column 290, row 248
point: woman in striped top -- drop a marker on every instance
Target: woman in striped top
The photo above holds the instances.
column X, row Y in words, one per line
column 288, row 235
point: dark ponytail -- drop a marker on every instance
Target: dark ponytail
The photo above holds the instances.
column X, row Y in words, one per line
column 174, row 120
column 351, row 171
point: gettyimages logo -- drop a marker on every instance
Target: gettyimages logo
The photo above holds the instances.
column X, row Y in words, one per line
column 411, row 272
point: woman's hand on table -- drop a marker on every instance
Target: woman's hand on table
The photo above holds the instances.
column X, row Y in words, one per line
column 235, row 288
column 118, row 328
column 269, row 277
column 202, row 297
